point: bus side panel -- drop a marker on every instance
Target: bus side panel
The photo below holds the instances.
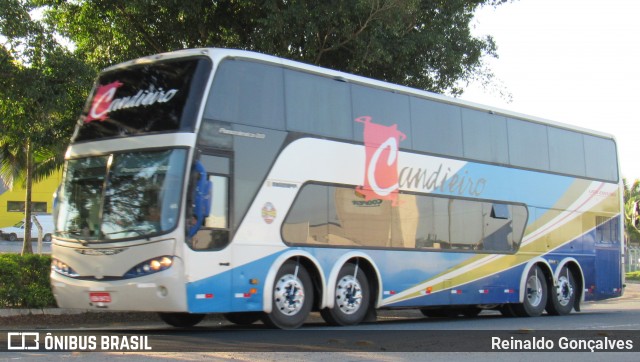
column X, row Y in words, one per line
column 237, row 290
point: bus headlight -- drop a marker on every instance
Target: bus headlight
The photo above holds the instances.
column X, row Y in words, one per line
column 62, row 268
column 150, row 266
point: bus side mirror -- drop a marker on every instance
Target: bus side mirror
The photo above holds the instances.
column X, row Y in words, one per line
column 201, row 199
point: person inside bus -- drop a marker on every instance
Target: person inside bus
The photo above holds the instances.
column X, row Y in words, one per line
column 152, row 217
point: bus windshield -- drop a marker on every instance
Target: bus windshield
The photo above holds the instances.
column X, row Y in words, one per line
column 121, row 196
column 161, row 96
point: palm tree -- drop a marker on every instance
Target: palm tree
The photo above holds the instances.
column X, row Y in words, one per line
column 21, row 162
column 632, row 210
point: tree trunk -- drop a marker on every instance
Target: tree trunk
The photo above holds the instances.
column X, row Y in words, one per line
column 26, row 244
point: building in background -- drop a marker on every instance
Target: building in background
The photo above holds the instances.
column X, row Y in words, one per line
column 12, row 201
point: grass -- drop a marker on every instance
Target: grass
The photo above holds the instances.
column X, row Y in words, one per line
column 633, row 276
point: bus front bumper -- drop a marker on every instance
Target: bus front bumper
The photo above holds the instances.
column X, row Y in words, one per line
column 159, row 292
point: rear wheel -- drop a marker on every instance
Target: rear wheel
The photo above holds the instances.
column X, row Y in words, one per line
column 351, row 298
column 535, row 297
column 292, row 297
column 563, row 295
column 181, row 320
column 12, row 237
column 46, row 238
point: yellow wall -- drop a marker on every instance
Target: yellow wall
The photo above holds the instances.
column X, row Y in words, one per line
column 42, row 192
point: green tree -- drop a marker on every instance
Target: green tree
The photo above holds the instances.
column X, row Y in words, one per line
column 632, row 211
column 421, row 43
column 42, row 88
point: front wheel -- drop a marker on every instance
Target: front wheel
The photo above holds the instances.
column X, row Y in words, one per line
column 12, row 237
column 563, row 295
column 351, row 298
column 535, row 297
column 181, row 320
column 292, row 297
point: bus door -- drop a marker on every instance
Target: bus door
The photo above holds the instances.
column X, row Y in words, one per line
column 209, row 259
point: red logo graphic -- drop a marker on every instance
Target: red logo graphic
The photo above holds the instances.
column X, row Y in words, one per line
column 381, row 168
column 102, row 102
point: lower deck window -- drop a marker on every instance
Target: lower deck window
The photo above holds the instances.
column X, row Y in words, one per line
column 340, row 216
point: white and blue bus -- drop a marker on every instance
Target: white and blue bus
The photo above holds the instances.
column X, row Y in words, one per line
column 224, row 181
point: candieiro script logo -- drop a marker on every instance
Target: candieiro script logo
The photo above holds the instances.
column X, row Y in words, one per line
column 381, row 168
column 104, row 100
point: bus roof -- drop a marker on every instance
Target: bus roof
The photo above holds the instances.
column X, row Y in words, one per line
column 218, row 54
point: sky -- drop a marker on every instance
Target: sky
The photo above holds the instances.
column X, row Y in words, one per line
column 569, row 61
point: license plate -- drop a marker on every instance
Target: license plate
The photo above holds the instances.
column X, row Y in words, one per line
column 100, row 297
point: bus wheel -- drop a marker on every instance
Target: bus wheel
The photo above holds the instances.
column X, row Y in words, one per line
column 46, row 238
column 535, row 297
column 181, row 320
column 351, row 299
column 243, row 319
column 563, row 296
column 292, row 297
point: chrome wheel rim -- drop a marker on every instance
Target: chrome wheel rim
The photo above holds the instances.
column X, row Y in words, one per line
column 534, row 291
column 348, row 294
column 289, row 295
column 564, row 291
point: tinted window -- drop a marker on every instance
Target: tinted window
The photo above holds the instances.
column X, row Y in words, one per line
column 340, row 216
column 318, row 105
column 528, row 145
column 600, row 156
column 436, row 127
column 156, row 97
column 384, row 108
column 566, row 152
column 247, row 92
column 485, row 136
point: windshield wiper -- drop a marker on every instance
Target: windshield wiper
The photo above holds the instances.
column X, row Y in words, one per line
column 139, row 231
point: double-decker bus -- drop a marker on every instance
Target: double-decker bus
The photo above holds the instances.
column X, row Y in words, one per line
column 224, row 181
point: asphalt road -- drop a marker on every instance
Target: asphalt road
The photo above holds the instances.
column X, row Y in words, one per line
column 396, row 336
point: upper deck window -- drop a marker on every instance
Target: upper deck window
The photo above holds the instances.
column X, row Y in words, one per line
column 154, row 97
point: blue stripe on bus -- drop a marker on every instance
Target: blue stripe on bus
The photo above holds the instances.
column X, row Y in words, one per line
column 514, row 185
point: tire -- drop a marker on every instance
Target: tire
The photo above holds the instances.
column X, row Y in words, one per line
column 292, row 297
column 352, row 298
column 12, row 237
column 181, row 320
column 243, row 319
column 563, row 296
column 535, row 297
column 46, row 238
